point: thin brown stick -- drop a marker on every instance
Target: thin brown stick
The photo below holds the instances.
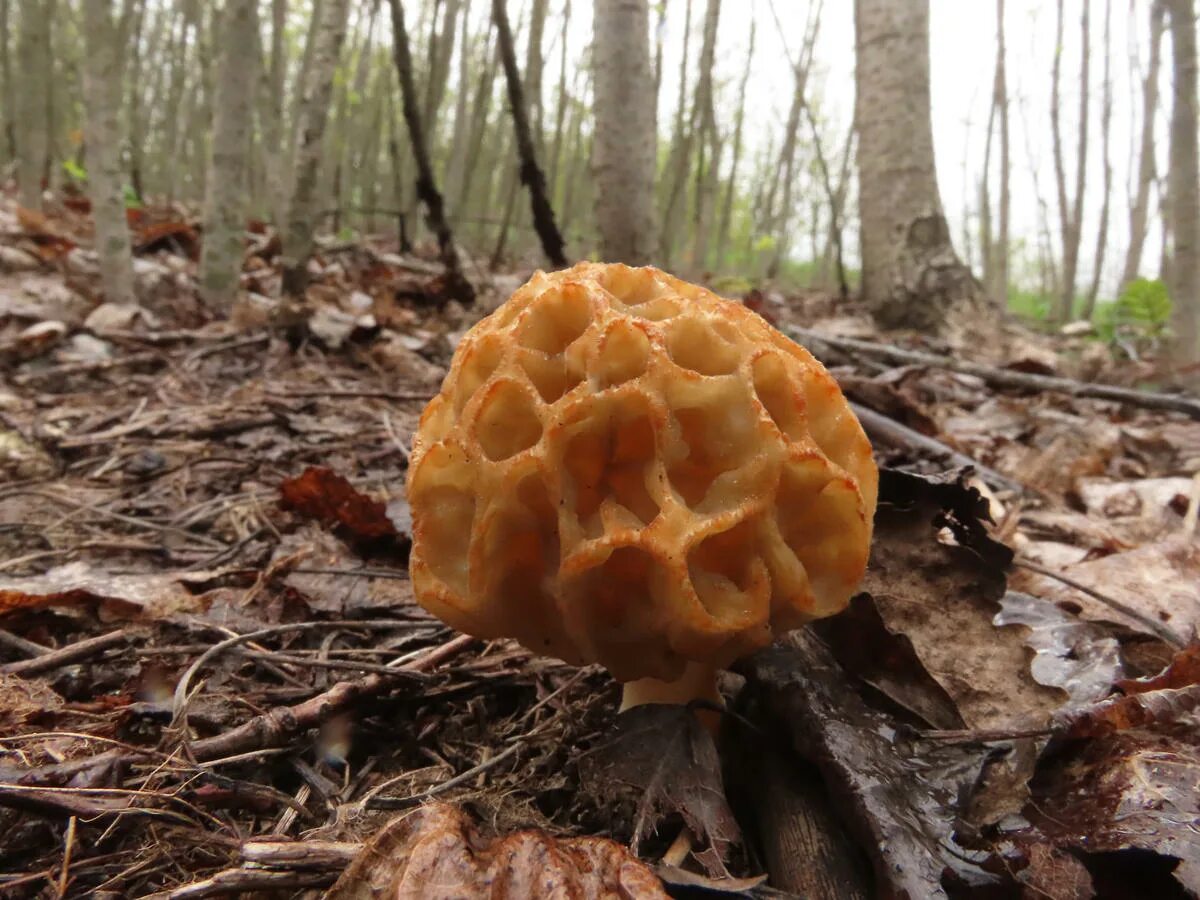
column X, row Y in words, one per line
column 1145, row 621
column 88, row 368
column 65, row 656
column 1008, row 378
column 275, row 727
column 888, row 431
column 238, row 881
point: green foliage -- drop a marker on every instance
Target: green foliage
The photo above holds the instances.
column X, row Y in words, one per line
column 132, row 200
column 1142, row 311
column 74, row 170
column 1029, row 304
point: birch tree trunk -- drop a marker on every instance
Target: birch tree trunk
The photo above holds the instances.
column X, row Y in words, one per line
column 457, row 285
column 33, row 139
column 1139, row 211
column 272, row 119
column 1183, row 185
column 225, row 197
column 731, row 186
column 911, row 275
column 623, row 157
column 328, row 35
column 102, row 90
column 1105, row 138
column 531, row 175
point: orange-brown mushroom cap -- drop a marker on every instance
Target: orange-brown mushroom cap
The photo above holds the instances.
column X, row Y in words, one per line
column 623, row 468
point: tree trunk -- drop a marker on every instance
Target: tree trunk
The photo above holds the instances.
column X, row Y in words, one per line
column 313, row 114
column 560, row 110
column 531, row 175
column 679, row 158
column 1184, row 186
column 1139, row 212
column 709, row 142
column 225, row 198
column 911, row 275
column 272, row 126
column 1105, row 138
column 440, row 52
column 625, row 145
column 731, row 186
column 533, row 75
column 33, row 138
column 8, row 126
column 457, row 285
column 1071, row 219
column 1000, row 268
column 457, row 162
column 106, row 180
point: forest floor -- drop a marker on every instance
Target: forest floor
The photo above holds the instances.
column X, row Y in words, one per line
column 214, row 678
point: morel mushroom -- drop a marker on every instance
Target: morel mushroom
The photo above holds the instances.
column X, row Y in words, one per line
column 623, row 468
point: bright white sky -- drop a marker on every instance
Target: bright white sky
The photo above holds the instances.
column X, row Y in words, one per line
column 963, row 48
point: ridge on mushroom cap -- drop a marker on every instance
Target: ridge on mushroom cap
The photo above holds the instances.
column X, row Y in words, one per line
column 623, row 468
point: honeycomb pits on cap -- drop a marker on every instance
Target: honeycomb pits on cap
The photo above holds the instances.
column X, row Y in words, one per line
column 623, row 468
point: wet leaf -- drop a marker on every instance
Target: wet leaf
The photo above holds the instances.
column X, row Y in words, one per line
column 173, row 236
column 1136, row 790
column 1161, row 707
column 320, row 493
column 900, row 805
column 438, row 851
column 1080, row 657
column 663, row 759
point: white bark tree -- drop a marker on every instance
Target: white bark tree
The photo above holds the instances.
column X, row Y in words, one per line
column 911, row 274
column 1139, row 211
column 327, row 35
column 226, row 184
column 625, row 140
column 1183, row 184
column 102, row 77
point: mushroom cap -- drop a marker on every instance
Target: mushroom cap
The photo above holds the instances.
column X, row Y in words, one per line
column 623, row 468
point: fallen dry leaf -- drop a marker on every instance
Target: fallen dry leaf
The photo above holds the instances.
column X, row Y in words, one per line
column 1161, row 581
column 146, row 597
column 1183, row 670
column 321, row 494
column 437, row 853
column 663, row 760
column 22, row 700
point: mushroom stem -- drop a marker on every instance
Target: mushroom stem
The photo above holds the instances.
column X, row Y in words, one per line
column 698, row 682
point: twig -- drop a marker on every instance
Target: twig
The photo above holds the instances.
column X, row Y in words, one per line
column 239, row 881
column 197, row 355
column 373, row 395
column 64, row 656
column 28, row 647
column 276, row 726
column 889, row 431
column 80, row 368
column 1009, row 378
column 300, row 854
column 1156, row 628
column 69, row 842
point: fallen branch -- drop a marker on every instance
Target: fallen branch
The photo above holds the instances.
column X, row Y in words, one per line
column 1008, row 378
column 890, row 432
column 65, row 656
column 274, row 728
column 238, row 881
column 91, row 367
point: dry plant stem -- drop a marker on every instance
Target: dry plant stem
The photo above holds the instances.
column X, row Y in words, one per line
column 1156, row 628
column 698, row 682
column 72, row 653
column 1008, row 378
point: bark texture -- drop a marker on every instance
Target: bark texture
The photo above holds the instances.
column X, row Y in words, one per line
column 33, row 51
column 531, row 174
column 225, row 198
column 624, row 143
column 1183, row 185
column 1139, row 212
column 106, row 183
column 457, row 285
column 328, row 35
column 911, row 273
